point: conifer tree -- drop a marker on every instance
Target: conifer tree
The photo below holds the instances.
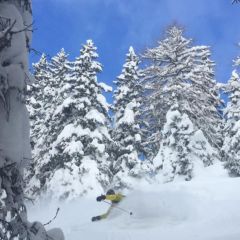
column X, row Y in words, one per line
column 15, row 152
column 180, row 72
column 231, row 149
column 93, row 115
column 36, row 101
column 182, row 145
column 49, row 79
column 127, row 132
column 183, row 74
column 77, row 128
column 14, row 130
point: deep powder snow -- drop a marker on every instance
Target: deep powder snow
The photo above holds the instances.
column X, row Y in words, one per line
column 205, row 208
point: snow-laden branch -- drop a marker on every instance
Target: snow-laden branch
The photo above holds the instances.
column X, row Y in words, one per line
column 5, row 36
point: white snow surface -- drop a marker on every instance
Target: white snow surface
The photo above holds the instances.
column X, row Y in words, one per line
column 206, row 208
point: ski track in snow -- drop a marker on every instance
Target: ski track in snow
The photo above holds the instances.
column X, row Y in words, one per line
column 202, row 209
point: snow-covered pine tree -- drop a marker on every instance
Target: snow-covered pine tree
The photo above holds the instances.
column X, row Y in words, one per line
column 181, row 147
column 231, row 147
column 59, row 71
column 75, row 159
column 127, row 132
column 182, row 74
column 51, row 78
column 14, row 139
column 37, row 99
column 93, row 119
column 174, row 150
column 15, row 151
column 149, row 123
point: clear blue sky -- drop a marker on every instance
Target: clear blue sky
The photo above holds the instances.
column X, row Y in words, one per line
column 114, row 25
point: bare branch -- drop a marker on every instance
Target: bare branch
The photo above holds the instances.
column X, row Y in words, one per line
column 27, row 28
column 30, row 199
column 38, row 53
column 53, row 218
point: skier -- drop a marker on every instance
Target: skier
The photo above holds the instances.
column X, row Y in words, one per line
column 111, row 196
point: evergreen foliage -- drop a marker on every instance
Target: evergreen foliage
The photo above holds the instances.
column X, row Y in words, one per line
column 127, row 133
column 168, row 115
column 182, row 74
column 75, row 135
column 182, row 146
column 231, row 150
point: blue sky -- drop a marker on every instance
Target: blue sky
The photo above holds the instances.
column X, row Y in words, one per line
column 114, row 25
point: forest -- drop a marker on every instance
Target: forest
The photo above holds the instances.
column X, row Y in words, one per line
column 172, row 132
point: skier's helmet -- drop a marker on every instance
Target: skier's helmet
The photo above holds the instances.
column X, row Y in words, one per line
column 110, row 192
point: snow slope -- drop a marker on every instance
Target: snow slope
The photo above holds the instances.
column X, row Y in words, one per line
column 206, row 208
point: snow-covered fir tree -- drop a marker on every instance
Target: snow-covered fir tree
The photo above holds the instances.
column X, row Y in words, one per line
column 49, row 78
column 15, row 152
column 182, row 74
column 127, row 132
column 231, row 144
column 93, row 120
column 74, row 159
column 94, row 107
column 182, row 146
column 59, row 71
column 14, row 133
column 149, row 122
column 37, row 99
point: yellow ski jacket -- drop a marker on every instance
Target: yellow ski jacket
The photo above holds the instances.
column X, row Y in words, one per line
column 114, row 198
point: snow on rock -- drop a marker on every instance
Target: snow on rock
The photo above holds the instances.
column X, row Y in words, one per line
column 55, row 234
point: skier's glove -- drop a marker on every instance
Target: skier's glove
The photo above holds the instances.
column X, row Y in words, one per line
column 97, row 218
column 100, row 198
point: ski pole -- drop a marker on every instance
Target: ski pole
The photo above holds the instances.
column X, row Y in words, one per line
column 130, row 213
